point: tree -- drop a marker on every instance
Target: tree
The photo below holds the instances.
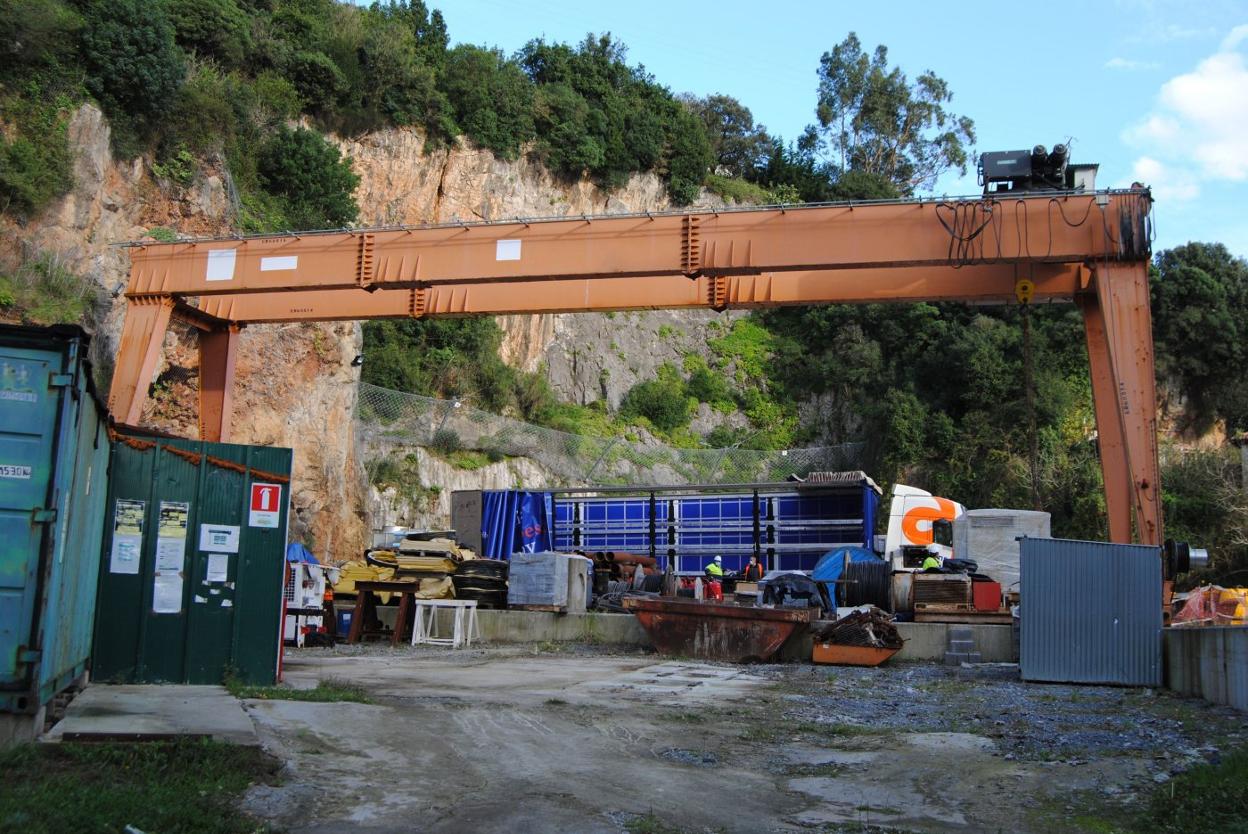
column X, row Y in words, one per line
column 398, row 59
column 738, row 145
column 562, row 117
column 873, row 119
column 491, row 98
column 446, row 358
column 597, row 114
column 662, row 400
column 310, row 175
column 1200, row 329
column 689, row 157
column 133, row 66
column 427, row 29
column 34, row 32
column 212, row 28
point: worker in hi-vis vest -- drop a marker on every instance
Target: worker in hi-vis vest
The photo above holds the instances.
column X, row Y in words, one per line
column 715, row 570
column 932, row 562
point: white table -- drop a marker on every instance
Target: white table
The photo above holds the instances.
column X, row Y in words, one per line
column 425, row 624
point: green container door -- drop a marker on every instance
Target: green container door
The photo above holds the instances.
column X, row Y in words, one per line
column 191, row 573
column 28, row 407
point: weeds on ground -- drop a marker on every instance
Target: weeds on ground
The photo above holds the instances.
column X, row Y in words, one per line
column 1205, row 798
column 189, row 786
column 650, row 824
column 327, row 690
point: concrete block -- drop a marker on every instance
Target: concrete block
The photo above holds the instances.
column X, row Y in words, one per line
column 955, row 658
column 961, row 632
column 20, row 728
column 135, row 712
column 961, row 645
column 542, row 626
column 1209, row 663
column 930, row 641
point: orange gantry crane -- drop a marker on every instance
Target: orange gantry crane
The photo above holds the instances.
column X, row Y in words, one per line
column 1092, row 248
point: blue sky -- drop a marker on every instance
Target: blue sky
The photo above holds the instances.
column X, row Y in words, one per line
column 1155, row 90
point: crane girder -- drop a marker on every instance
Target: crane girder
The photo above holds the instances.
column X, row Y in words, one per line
column 1092, row 248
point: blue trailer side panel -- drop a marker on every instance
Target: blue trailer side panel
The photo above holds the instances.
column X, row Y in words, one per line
column 809, row 525
column 53, row 468
column 789, row 527
column 714, row 526
column 620, row 524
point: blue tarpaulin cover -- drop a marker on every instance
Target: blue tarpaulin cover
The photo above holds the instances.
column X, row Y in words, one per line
column 295, row 552
column 513, row 521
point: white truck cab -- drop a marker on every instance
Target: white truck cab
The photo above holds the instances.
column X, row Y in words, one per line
column 917, row 519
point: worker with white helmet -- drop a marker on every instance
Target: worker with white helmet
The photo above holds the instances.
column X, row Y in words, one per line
column 715, row 570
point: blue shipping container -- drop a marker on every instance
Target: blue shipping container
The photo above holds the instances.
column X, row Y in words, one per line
column 54, row 456
column 789, row 526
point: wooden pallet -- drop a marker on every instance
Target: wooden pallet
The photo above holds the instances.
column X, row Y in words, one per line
column 549, row 609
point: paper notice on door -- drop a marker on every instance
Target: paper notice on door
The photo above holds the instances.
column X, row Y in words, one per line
column 219, row 537
column 218, row 567
column 171, row 536
column 125, row 555
column 172, row 523
column 170, row 554
column 167, row 593
column 127, row 536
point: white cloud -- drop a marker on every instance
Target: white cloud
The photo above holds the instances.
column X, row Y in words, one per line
column 1170, row 185
column 1234, row 38
column 1130, row 65
column 1198, row 130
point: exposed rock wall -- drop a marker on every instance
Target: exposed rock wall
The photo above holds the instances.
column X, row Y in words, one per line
column 588, row 357
column 389, row 505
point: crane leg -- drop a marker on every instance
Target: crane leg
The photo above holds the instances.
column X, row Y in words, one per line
column 217, row 352
column 1109, row 441
column 142, row 338
column 1118, row 325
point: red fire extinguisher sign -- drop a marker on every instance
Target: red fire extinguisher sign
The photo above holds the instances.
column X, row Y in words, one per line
column 266, row 505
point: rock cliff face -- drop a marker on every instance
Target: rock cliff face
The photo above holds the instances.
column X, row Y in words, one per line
column 391, row 505
column 295, row 383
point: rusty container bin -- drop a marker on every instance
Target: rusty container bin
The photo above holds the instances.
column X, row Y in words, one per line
column 715, row 631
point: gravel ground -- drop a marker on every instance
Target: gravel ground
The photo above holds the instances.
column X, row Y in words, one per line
column 713, row 747
column 1027, row 721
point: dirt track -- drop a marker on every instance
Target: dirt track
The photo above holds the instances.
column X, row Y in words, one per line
column 575, row 739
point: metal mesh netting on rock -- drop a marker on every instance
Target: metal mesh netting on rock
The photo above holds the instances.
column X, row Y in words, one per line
column 394, row 420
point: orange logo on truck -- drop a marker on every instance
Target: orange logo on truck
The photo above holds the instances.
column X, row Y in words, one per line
column 926, row 515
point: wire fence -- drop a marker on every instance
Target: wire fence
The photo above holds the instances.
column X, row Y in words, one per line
column 393, row 421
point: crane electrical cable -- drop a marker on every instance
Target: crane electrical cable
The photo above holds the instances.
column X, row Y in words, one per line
column 739, row 258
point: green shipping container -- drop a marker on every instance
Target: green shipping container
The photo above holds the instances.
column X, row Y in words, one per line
column 193, row 563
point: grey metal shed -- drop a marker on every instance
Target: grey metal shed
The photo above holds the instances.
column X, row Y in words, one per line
column 1091, row 612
